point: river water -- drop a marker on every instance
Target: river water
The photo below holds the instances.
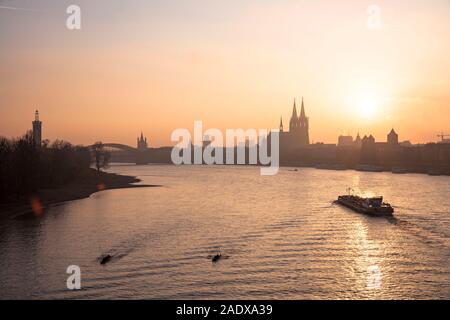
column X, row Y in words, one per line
column 280, row 236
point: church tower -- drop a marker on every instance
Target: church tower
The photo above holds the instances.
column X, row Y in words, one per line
column 303, row 126
column 294, row 119
column 392, row 138
column 298, row 134
column 37, row 129
column 142, row 143
column 358, row 141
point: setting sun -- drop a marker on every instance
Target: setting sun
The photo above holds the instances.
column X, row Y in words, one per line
column 367, row 102
column 367, row 108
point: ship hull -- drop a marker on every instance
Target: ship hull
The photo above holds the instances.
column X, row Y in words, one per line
column 376, row 212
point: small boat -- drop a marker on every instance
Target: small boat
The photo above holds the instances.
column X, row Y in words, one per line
column 331, row 167
column 216, row 257
column 371, row 206
column 398, row 170
column 369, row 168
column 435, row 172
column 105, row 259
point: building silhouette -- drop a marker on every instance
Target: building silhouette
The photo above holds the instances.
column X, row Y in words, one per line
column 37, row 129
column 358, row 141
column 368, row 151
column 345, row 141
column 142, row 150
column 298, row 134
column 392, row 138
column 142, row 143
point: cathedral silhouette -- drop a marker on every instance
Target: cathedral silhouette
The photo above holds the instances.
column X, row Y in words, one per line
column 298, row 134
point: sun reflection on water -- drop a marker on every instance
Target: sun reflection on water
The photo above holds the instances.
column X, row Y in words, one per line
column 368, row 262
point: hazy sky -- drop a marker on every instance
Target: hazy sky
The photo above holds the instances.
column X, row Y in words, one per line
column 159, row 65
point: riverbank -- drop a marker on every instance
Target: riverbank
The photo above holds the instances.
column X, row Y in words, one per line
column 83, row 187
column 442, row 171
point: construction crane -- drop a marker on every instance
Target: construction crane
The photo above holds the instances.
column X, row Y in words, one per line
column 443, row 136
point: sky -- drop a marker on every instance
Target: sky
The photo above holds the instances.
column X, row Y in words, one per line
column 155, row 66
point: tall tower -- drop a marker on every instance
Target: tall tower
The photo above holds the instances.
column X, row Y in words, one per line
column 294, row 119
column 358, row 141
column 392, row 138
column 281, row 124
column 303, row 125
column 37, row 129
column 142, row 143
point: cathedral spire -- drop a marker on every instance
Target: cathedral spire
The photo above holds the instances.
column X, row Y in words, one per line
column 294, row 111
column 298, row 134
column 142, row 142
column 293, row 124
column 302, row 112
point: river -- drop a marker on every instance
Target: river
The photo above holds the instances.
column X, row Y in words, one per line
column 281, row 237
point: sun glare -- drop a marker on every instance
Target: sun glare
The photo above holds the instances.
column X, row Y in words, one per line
column 367, row 103
column 367, row 108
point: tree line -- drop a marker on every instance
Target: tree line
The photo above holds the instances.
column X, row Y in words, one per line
column 26, row 167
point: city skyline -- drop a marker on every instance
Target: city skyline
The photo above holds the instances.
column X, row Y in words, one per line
column 230, row 158
column 290, row 136
column 156, row 67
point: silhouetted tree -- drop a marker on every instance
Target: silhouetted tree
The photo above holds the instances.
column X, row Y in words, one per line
column 25, row 167
column 6, row 156
column 100, row 156
column 25, row 164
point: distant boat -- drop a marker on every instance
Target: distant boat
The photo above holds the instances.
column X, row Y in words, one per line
column 371, row 206
column 435, row 172
column 397, row 170
column 105, row 259
column 331, row 166
column 216, row 257
column 369, row 168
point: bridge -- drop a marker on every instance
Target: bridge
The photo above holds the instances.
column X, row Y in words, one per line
column 126, row 154
column 117, row 146
column 123, row 153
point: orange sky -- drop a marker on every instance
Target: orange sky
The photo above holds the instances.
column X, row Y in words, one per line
column 157, row 66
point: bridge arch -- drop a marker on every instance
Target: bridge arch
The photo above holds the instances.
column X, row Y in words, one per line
column 126, row 153
column 119, row 146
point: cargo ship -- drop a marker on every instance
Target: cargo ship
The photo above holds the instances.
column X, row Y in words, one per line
column 371, row 206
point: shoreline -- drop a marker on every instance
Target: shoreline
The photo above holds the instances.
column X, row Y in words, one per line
column 432, row 172
column 92, row 182
column 372, row 168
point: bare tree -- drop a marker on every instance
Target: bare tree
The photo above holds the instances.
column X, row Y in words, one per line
column 26, row 168
column 100, row 156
